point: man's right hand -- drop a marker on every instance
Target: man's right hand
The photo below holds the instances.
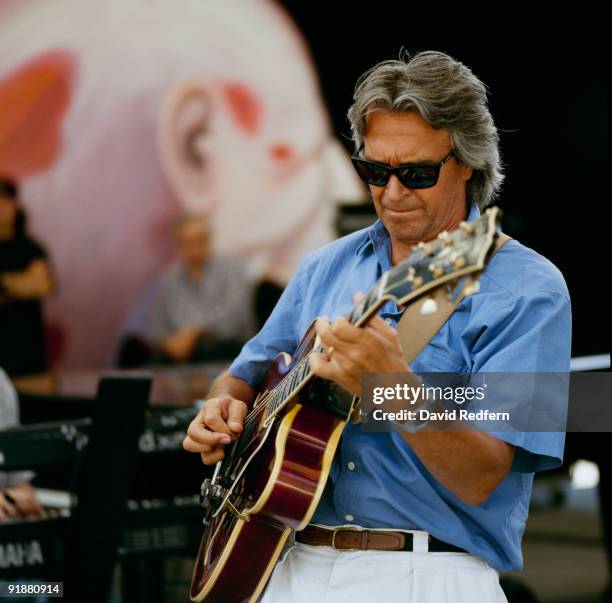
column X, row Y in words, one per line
column 218, row 423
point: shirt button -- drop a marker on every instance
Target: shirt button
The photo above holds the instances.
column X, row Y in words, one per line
column 349, row 517
column 350, row 465
column 389, row 321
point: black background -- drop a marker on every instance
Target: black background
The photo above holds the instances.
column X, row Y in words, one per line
column 546, row 70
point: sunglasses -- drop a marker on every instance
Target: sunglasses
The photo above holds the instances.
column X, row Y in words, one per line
column 411, row 175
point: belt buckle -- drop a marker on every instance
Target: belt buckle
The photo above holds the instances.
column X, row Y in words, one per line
column 345, row 529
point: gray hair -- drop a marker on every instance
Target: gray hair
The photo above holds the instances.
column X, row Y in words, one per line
column 447, row 95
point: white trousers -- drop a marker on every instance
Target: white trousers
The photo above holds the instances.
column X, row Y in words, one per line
column 319, row 574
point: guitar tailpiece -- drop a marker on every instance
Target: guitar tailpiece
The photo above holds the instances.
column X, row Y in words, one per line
column 236, row 512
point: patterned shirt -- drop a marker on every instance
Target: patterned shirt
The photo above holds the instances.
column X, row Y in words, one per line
column 220, row 302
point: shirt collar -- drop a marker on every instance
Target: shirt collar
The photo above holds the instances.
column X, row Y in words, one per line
column 376, row 235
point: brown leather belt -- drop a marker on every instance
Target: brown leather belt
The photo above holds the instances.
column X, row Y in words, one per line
column 358, row 539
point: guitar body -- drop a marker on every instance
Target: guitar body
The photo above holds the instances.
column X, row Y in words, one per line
column 279, row 490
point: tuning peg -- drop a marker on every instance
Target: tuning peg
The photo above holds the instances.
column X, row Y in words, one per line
column 436, row 270
column 445, row 237
column 459, row 262
column 417, row 282
column 424, row 248
column 472, row 288
column 468, row 229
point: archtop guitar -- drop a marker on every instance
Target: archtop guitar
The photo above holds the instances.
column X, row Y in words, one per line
column 272, row 476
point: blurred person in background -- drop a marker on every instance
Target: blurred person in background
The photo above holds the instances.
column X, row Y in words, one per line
column 25, row 280
column 17, row 497
column 202, row 309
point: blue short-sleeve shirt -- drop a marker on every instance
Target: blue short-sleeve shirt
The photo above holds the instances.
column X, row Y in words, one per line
column 519, row 321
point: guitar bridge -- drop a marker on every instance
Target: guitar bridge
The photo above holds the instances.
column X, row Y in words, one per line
column 212, row 495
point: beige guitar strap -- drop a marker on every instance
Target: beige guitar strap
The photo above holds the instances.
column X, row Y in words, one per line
column 424, row 318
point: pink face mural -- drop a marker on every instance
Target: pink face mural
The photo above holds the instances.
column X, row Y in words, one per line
column 117, row 116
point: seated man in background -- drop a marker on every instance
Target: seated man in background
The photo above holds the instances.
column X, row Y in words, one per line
column 25, row 280
column 17, row 497
column 202, row 309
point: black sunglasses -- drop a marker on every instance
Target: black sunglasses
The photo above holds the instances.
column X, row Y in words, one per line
column 411, row 175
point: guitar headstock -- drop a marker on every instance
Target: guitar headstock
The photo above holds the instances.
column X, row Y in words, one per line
column 452, row 255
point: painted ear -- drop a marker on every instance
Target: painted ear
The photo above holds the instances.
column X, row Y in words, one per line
column 183, row 139
column 33, row 101
column 186, row 148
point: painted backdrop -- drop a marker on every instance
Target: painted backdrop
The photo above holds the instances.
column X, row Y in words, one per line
column 117, row 116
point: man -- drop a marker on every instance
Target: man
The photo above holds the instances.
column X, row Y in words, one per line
column 203, row 307
column 469, row 491
column 25, row 280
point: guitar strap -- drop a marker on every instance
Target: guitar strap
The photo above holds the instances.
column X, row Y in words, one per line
column 424, row 318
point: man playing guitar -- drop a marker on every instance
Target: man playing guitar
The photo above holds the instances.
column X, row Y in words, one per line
column 427, row 147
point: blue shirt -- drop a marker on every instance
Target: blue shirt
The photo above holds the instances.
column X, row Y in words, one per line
column 520, row 321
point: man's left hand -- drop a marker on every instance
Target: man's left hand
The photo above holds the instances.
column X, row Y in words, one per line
column 351, row 350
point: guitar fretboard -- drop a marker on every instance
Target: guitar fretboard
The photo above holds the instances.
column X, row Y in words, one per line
column 301, row 371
